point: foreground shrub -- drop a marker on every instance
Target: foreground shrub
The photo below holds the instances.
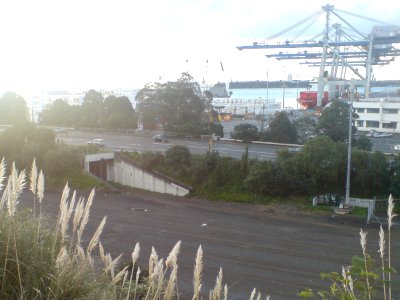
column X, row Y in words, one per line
column 365, row 278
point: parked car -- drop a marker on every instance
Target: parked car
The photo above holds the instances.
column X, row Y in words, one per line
column 376, row 134
column 96, row 142
column 382, row 134
column 396, row 147
column 161, row 138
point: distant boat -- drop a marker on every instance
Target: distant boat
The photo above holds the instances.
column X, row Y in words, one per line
column 308, row 99
column 219, row 90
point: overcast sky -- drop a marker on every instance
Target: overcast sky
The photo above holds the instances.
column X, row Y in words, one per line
column 81, row 44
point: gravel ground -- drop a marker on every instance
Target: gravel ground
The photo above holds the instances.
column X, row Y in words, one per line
column 277, row 249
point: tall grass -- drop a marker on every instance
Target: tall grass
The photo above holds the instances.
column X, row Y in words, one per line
column 363, row 279
column 41, row 258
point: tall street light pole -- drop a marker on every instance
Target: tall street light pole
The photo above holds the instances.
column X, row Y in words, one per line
column 347, row 199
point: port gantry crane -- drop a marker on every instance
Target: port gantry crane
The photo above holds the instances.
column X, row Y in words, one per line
column 342, row 48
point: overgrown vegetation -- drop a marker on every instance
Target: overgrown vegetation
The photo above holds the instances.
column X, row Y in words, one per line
column 42, row 259
column 367, row 277
column 319, row 168
column 25, row 141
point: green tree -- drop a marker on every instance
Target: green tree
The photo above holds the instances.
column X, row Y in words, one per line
column 322, row 163
column 305, row 127
column 59, row 113
column 13, row 109
column 119, row 113
column 281, row 130
column 363, row 143
column 334, row 121
column 178, row 106
column 92, row 108
column 246, row 132
column 395, row 176
column 369, row 174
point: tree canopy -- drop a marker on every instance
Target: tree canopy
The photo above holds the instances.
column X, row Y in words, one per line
column 334, row 121
column 59, row 113
column 246, row 132
column 178, row 106
column 281, row 130
column 114, row 112
column 13, row 109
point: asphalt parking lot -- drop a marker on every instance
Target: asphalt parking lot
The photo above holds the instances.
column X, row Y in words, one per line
column 386, row 144
column 276, row 249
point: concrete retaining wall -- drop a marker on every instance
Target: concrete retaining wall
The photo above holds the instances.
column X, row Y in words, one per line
column 120, row 169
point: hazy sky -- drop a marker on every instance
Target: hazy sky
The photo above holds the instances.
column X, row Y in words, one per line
column 81, row 44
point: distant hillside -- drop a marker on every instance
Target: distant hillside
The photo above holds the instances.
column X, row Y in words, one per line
column 268, row 84
column 386, row 83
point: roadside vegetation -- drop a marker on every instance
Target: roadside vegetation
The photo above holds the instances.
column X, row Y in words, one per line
column 42, row 258
column 318, row 168
column 25, row 141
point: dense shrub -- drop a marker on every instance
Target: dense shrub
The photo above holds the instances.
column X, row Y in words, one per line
column 61, row 161
column 245, row 132
column 178, row 159
column 149, row 160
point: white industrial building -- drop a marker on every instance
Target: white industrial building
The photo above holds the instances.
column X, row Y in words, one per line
column 238, row 106
column 380, row 114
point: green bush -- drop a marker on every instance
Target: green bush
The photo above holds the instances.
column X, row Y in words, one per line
column 61, row 161
column 178, row 159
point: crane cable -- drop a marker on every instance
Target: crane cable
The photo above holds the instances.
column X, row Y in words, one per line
column 294, row 26
column 362, row 17
column 304, row 30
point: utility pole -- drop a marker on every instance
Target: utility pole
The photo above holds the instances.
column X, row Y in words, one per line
column 284, row 86
column 347, row 199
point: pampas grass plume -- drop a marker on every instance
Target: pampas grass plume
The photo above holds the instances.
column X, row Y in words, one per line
column 198, row 270
column 95, row 239
column 40, row 187
column 33, row 176
column 2, row 173
column 173, row 256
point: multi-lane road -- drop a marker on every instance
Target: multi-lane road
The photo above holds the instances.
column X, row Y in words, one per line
column 130, row 142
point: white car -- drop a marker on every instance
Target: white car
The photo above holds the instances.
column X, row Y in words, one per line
column 381, row 134
column 396, row 147
column 96, row 142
